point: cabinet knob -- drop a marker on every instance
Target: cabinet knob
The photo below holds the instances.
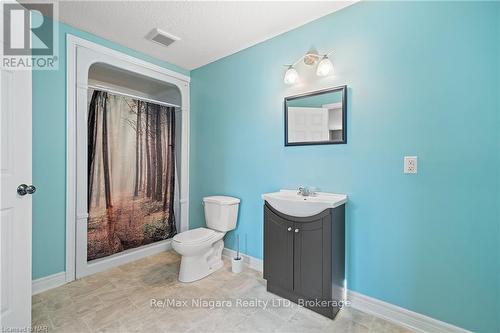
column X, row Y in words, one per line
column 289, row 229
column 296, row 230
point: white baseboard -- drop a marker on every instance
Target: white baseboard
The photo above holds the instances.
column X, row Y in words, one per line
column 373, row 306
column 250, row 261
column 399, row 315
column 48, row 282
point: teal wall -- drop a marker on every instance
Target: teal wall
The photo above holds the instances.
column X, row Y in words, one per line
column 423, row 80
column 49, row 155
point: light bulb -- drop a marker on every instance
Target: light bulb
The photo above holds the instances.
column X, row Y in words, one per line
column 291, row 75
column 325, row 67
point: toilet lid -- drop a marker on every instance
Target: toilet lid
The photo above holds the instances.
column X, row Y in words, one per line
column 194, row 235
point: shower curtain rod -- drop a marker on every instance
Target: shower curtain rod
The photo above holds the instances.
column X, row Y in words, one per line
column 132, row 96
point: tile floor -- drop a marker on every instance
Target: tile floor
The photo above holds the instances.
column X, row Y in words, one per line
column 119, row 300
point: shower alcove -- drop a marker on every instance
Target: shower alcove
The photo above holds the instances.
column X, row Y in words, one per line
column 131, row 84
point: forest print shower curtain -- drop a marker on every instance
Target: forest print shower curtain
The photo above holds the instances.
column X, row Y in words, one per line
column 130, row 174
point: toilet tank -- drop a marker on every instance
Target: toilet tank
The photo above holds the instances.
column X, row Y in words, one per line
column 221, row 212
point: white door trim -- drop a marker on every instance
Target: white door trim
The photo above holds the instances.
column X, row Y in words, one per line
column 76, row 146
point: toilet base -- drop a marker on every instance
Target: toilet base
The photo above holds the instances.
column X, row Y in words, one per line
column 197, row 267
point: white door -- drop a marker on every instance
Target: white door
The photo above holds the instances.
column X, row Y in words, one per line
column 15, row 209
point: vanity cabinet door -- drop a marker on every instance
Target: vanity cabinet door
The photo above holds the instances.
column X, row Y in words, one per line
column 278, row 250
column 312, row 260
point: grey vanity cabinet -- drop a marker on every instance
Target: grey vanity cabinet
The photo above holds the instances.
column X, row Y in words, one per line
column 304, row 258
column 278, row 268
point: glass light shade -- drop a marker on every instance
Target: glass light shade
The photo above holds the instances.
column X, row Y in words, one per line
column 325, row 67
column 291, row 75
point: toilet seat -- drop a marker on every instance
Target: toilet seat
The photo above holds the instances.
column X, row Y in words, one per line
column 194, row 236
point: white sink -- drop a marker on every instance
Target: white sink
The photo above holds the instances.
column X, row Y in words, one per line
column 290, row 203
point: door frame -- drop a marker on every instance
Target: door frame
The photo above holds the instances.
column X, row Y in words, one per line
column 76, row 149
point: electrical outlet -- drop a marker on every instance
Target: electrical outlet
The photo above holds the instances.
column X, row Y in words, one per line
column 410, row 165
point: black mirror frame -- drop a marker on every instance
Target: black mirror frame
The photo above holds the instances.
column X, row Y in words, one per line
column 343, row 89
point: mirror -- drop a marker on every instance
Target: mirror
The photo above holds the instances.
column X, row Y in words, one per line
column 316, row 118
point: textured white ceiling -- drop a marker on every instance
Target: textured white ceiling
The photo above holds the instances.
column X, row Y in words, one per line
column 208, row 30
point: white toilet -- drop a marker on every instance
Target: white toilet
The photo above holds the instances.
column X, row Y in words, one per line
column 201, row 248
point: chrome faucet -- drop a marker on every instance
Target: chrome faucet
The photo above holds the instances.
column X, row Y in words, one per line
column 306, row 191
column 303, row 191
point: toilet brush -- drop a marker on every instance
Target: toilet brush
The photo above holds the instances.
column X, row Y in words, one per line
column 238, row 247
column 236, row 262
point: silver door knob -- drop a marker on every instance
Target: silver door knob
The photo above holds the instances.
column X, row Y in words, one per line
column 31, row 189
column 289, row 229
column 24, row 189
column 296, row 230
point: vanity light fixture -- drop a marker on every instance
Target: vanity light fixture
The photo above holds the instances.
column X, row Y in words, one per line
column 324, row 66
